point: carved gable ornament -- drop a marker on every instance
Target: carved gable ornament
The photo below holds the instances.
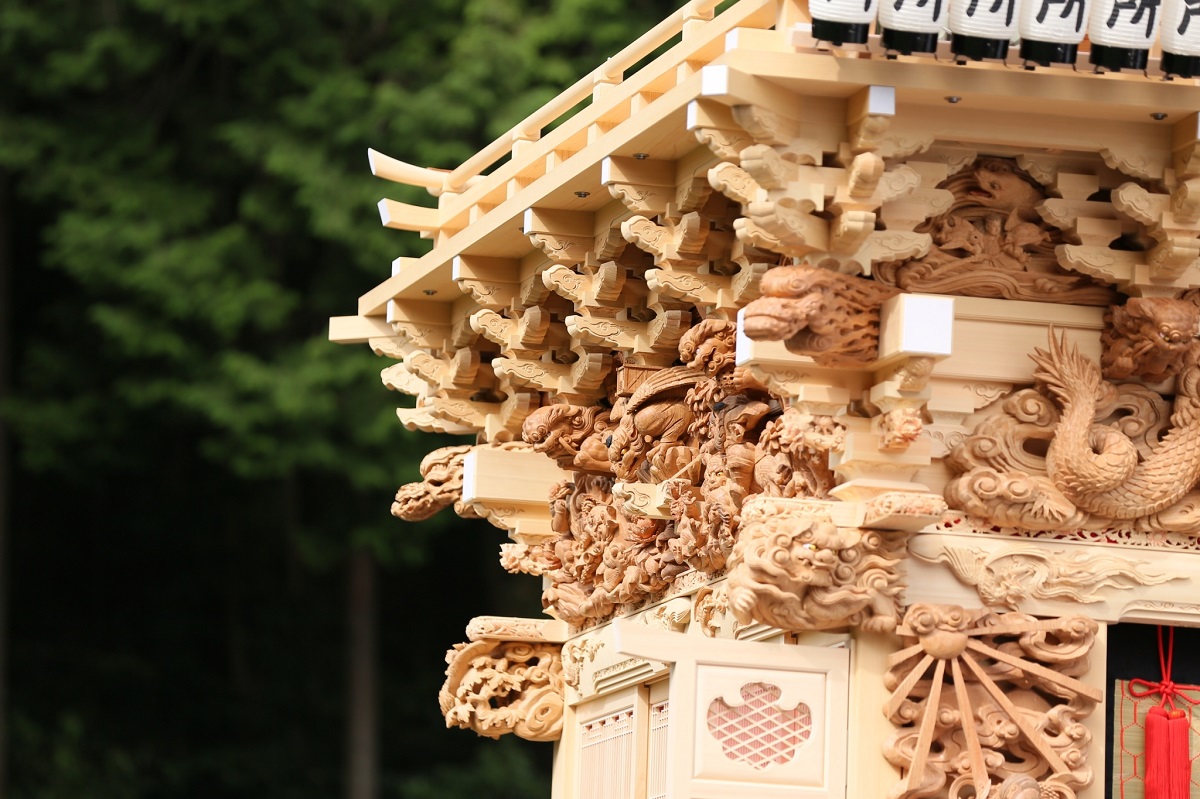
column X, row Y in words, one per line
column 993, row 242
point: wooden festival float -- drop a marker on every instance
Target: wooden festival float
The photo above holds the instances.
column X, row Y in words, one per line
column 843, row 393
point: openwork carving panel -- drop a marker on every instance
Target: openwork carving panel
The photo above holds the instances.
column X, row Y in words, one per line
column 980, row 698
column 497, row 687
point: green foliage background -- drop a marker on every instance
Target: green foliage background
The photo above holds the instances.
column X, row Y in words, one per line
column 185, row 190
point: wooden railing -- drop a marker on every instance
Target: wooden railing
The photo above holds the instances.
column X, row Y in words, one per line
column 611, row 72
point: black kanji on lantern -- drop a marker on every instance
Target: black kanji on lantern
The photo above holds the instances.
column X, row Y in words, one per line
column 1141, row 6
column 937, row 6
column 1068, row 6
column 1008, row 15
column 1192, row 9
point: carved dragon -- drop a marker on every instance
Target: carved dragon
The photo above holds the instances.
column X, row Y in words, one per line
column 819, row 312
column 1098, row 467
column 1112, row 453
column 441, row 487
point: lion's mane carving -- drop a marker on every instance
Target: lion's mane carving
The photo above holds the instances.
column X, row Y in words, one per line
column 795, row 572
column 573, row 435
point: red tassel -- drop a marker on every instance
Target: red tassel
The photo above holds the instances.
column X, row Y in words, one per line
column 1179, row 728
column 1158, row 755
column 1168, row 731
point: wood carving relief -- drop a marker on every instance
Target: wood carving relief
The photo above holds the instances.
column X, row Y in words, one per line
column 796, row 572
column 1077, row 451
column 704, row 437
column 819, row 312
column 441, row 486
column 603, row 557
column 1151, row 338
column 497, row 687
column 573, row 435
column 1005, row 578
column 992, row 243
column 982, row 700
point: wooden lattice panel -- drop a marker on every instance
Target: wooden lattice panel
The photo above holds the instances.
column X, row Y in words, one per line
column 757, row 731
column 607, row 756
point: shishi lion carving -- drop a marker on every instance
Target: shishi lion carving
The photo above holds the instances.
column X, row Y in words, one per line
column 795, row 572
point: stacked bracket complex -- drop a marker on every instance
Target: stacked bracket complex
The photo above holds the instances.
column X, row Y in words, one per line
column 840, row 403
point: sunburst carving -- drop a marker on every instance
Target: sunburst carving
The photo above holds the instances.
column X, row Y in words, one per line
column 980, row 697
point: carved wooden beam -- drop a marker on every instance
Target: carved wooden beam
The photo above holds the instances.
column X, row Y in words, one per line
column 1044, row 577
column 428, row 325
column 713, row 124
column 449, row 376
column 494, row 283
column 510, row 487
column 1178, row 245
column 423, row 419
column 596, row 290
column 673, row 244
column 497, row 421
column 566, row 237
column 529, row 335
column 578, row 383
column 719, row 296
column 513, row 628
column 643, row 186
column 655, row 342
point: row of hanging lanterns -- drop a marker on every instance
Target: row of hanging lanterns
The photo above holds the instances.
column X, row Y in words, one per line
column 1121, row 31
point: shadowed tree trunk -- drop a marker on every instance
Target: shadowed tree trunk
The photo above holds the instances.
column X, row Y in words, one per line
column 5, row 347
column 362, row 757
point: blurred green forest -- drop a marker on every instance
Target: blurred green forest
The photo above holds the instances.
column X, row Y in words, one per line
column 189, row 471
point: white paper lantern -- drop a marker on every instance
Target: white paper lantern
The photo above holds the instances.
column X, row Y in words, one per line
column 983, row 28
column 1122, row 32
column 1180, row 37
column 842, row 21
column 1051, row 30
column 912, row 26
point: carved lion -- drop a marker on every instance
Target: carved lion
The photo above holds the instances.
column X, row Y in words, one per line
column 573, row 435
column 1151, row 338
column 798, row 573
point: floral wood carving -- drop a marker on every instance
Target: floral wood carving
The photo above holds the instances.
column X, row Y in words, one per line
column 980, row 698
column 497, row 687
column 1013, row 574
column 1114, row 455
column 532, row 559
column 830, row 316
column 796, row 572
column 992, row 243
column 441, row 487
